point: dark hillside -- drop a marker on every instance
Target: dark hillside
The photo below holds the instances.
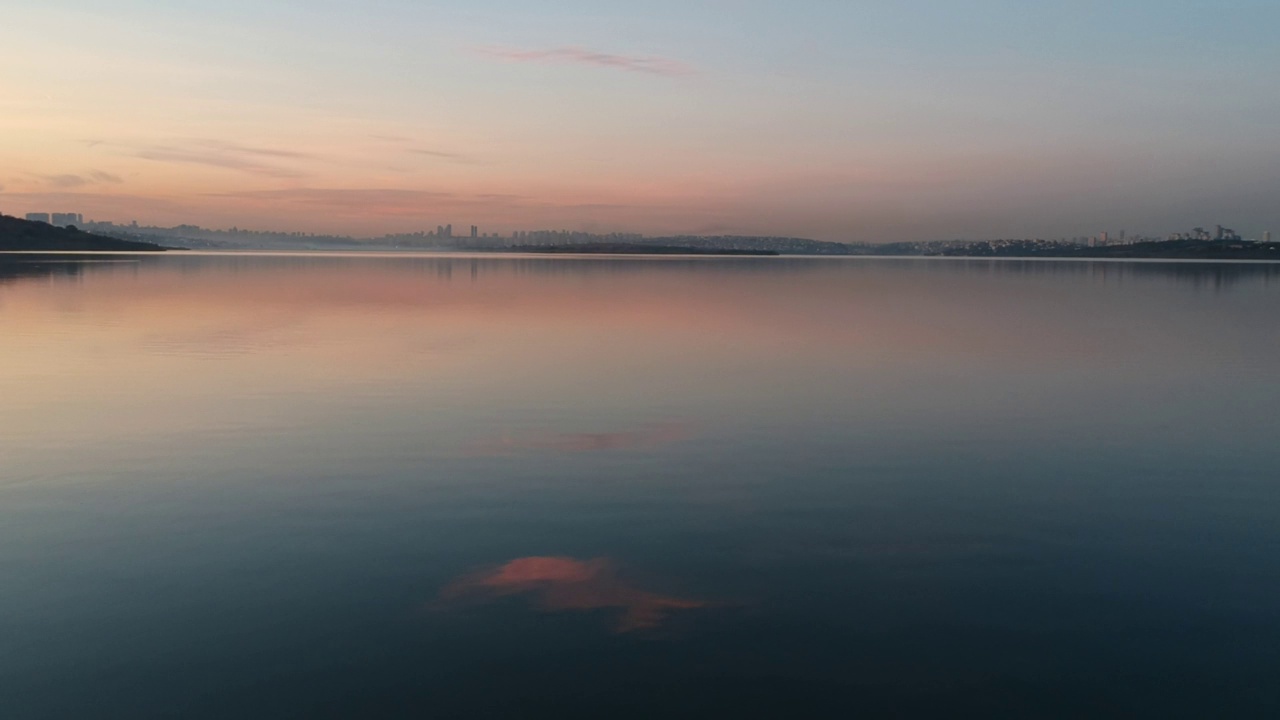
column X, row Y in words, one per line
column 16, row 234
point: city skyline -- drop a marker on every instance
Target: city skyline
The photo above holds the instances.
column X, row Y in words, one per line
column 1220, row 243
column 841, row 122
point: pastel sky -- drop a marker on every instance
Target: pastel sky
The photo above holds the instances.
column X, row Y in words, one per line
column 835, row 119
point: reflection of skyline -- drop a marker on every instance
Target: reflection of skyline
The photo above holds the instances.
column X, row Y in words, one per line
column 565, row 584
column 628, row 313
column 650, row 335
column 17, row 267
column 1216, row 276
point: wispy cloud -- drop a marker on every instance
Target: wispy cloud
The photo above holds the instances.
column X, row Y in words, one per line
column 67, row 181
column 407, row 144
column 389, row 199
column 216, row 153
column 250, row 150
column 344, row 197
column 456, row 157
column 362, row 202
column 103, row 204
column 665, row 67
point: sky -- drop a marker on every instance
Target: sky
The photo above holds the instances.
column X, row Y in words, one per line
column 851, row 120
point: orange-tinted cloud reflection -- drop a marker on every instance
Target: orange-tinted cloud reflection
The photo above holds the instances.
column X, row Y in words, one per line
column 566, row 584
column 585, row 442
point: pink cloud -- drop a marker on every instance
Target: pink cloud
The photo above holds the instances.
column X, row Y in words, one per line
column 651, row 65
column 562, row 584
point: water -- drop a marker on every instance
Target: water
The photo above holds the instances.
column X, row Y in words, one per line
column 389, row 486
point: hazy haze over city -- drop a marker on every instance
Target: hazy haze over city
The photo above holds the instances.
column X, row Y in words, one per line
column 837, row 120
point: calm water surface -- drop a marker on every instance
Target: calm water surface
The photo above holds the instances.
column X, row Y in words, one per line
column 428, row 487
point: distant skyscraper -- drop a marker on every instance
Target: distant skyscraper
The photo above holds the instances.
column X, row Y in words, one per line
column 65, row 219
column 475, row 231
column 448, row 230
column 1102, row 238
column 1266, row 236
column 38, row 217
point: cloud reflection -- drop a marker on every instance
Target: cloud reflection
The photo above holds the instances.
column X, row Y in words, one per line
column 561, row 584
column 585, row 442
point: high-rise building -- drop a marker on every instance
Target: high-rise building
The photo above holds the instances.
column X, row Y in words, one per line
column 1102, row 238
column 1266, row 236
column 65, row 219
column 448, row 230
column 475, row 231
column 38, row 217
